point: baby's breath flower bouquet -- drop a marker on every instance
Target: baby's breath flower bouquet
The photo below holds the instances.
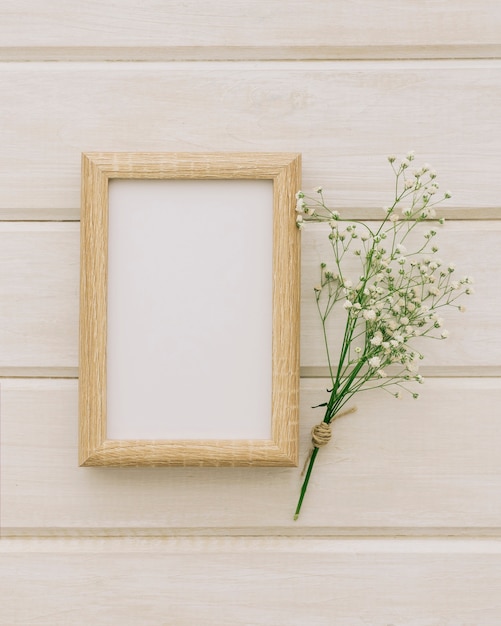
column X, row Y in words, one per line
column 397, row 298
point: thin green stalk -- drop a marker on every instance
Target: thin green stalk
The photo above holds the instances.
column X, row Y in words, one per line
column 305, row 482
column 335, row 403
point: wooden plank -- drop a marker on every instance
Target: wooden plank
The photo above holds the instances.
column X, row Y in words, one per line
column 39, row 289
column 235, row 29
column 344, row 117
column 417, row 467
column 241, row 581
column 39, row 297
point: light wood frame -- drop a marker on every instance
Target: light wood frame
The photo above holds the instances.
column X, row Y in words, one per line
column 94, row 447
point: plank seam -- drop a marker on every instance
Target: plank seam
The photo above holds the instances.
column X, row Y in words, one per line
column 212, row 53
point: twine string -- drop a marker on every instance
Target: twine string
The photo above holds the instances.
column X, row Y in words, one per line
column 321, row 434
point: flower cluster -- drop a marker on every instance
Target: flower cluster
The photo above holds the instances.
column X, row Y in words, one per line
column 399, row 294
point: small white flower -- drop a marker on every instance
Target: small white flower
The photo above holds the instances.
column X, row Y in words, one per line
column 300, row 205
column 347, row 304
column 462, row 309
column 319, row 189
column 375, row 361
column 299, row 195
column 369, row 315
column 404, row 320
column 381, row 374
column 398, row 338
column 394, row 218
column 409, row 183
column 377, row 339
column 392, row 324
column 348, row 284
column 445, row 334
column 358, row 349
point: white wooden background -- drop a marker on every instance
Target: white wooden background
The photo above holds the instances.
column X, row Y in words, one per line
column 402, row 523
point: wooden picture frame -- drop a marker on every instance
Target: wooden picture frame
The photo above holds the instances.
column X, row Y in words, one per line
column 99, row 170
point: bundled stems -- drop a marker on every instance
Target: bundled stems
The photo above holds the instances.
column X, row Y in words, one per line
column 395, row 297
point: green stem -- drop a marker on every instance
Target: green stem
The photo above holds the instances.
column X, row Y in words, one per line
column 305, row 482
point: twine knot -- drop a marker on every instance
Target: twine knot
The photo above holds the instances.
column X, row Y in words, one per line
column 321, row 434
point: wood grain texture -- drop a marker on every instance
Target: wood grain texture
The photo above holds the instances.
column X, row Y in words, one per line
column 343, row 117
column 39, row 304
column 95, row 449
column 38, row 297
column 429, row 467
column 228, row 29
column 248, row 581
column 417, row 467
